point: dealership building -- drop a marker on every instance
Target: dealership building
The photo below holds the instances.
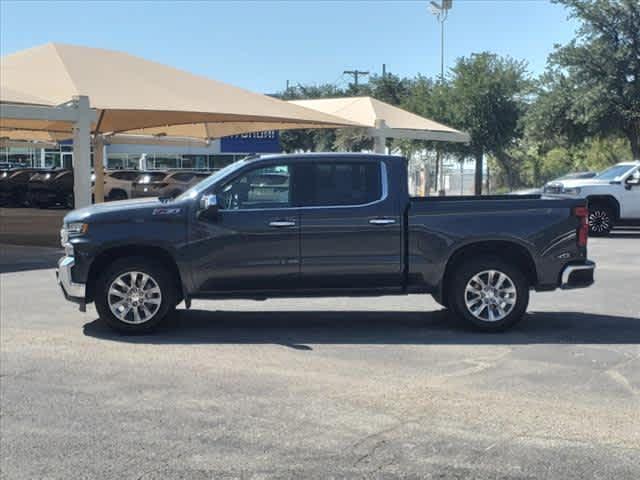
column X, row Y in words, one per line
column 125, row 152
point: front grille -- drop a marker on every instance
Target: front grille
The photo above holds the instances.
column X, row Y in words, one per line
column 553, row 189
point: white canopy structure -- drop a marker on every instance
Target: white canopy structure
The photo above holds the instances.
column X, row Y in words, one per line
column 72, row 91
column 383, row 120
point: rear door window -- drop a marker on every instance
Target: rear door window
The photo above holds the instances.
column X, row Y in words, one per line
column 339, row 184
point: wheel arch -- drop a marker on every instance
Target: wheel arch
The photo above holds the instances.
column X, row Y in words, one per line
column 150, row 252
column 504, row 249
column 608, row 200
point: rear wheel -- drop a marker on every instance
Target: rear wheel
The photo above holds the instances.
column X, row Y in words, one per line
column 117, row 195
column 490, row 294
column 600, row 219
column 134, row 295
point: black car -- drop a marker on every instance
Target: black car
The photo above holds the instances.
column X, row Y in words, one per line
column 321, row 226
column 14, row 186
column 52, row 188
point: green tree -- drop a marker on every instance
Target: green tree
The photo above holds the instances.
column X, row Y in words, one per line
column 600, row 69
column 488, row 98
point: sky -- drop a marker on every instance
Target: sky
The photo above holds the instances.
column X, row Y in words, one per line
column 259, row 45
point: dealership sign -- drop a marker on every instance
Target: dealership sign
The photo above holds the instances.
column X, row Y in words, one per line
column 257, row 142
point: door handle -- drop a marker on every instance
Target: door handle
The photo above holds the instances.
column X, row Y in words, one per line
column 282, row 223
column 382, row 221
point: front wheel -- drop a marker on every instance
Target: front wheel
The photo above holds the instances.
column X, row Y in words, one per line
column 134, row 295
column 490, row 294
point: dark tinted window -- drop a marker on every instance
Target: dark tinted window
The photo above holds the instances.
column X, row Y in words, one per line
column 340, row 183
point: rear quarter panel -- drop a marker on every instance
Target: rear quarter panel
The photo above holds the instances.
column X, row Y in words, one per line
column 439, row 227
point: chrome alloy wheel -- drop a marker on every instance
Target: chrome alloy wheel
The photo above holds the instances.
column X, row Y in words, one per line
column 599, row 221
column 490, row 296
column 134, row 297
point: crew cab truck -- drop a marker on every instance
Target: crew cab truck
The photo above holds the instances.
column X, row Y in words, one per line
column 613, row 196
column 331, row 225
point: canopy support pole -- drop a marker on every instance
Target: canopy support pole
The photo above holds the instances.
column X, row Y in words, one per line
column 98, row 168
column 379, row 138
column 82, row 152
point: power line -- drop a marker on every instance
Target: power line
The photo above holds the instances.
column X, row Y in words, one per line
column 355, row 73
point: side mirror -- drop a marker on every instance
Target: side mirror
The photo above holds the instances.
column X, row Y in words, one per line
column 208, row 207
column 632, row 182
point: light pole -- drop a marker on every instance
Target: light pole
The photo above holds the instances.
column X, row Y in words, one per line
column 441, row 11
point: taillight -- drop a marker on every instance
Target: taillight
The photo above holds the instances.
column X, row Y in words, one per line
column 583, row 229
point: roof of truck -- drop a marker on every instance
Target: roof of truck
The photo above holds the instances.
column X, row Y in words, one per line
column 330, row 156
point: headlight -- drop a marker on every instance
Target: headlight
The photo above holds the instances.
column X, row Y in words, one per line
column 572, row 191
column 71, row 230
column 47, row 176
column 74, row 229
column 4, row 174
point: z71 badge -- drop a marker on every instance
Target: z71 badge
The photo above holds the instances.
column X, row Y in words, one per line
column 166, row 211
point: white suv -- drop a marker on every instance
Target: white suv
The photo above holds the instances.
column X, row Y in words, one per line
column 613, row 196
column 118, row 183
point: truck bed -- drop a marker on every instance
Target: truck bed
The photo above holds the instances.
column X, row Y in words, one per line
column 545, row 228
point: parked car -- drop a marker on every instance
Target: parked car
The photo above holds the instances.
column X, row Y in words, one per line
column 118, row 183
column 568, row 176
column 344, row 226
column 52, row 188
column 14, row 186
column 165, row 184
column 613, row 196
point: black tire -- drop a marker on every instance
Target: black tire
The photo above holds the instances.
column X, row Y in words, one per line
column 601, row 218
column 115, row 195
column 458, row 295
column 157, row 272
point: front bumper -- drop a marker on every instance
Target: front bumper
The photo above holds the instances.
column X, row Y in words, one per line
column 577, row 275
column 74, row 292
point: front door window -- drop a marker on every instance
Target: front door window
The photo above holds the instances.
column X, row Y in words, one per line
column 263, row 188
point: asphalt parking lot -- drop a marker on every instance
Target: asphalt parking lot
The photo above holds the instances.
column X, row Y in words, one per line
column 326, row 388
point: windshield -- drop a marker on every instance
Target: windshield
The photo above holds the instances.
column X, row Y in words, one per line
column 614, row 172
column 151, row 177
column 213, row 178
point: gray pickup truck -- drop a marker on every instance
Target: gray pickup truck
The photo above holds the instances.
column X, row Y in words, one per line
column 321, row 225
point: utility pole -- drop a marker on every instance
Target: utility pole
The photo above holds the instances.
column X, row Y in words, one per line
column 384, row 70
column 355, row 73
column 441, row 11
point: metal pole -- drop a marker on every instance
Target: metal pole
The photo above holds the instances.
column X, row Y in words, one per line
column 442, row 52
column 98, row 168
column 379, row 140
column 81, row 152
